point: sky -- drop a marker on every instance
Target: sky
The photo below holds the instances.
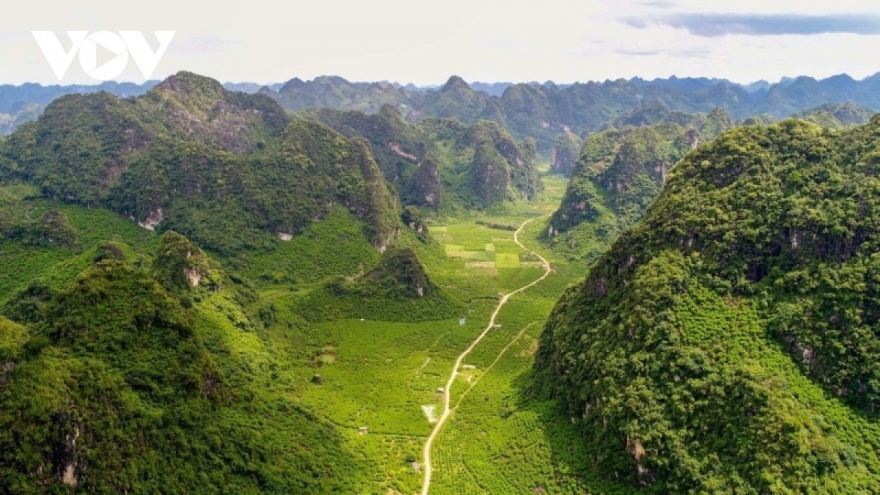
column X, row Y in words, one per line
column 480, row 40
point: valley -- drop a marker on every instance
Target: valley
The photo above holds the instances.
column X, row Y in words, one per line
column 370, row 378
column 380, row 375
column 202, row 292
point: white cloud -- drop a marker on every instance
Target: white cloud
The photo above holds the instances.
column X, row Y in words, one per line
column 426, row 42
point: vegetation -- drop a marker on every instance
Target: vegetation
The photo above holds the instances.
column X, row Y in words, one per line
column 727, row 343
column 443, row 163
column 396, row 289
column 179, row 264
column 204, row 294
column 836, row 116
column 545, row 111
column 618, row 175
column 118, row 388
column 19, row 222
column 200, row 364
column 227, row 169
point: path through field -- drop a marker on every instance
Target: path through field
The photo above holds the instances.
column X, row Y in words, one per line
column 426, row 485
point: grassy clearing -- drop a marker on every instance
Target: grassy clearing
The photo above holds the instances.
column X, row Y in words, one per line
column 507, row 260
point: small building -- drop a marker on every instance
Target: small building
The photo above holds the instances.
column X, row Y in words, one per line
column 363, row 430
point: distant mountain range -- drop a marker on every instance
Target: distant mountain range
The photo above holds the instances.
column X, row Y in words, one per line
column 544, row 110
column 538, row 110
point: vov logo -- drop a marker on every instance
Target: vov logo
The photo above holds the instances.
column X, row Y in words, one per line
column 86, row 44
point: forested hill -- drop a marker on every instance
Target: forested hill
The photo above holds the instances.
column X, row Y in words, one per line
column 24, row 103
column 729, row 342
column 225, row 168
column 620, row 172
column 121, row 375
column 442, row 163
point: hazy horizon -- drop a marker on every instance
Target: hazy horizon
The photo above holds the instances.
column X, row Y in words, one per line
column 441, row 83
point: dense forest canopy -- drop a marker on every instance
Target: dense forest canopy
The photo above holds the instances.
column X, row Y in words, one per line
column 728, row 342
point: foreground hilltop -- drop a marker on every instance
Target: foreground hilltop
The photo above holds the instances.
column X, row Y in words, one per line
column 121, row 374
column 729, row 342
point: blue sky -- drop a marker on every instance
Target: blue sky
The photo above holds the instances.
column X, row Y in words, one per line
column 487, row 40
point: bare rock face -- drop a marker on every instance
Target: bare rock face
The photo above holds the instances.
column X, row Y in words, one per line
column 153, row 219
column 192, row 276
column 64, row 453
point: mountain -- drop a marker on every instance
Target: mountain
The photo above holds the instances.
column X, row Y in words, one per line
column 655, row 112
column 336, row 92
column 14, row 98
column 21, row 104
column 167, row 259
column 455, row 99
column 123, row 378
column 193, row 157
column 837, row 115
column 539, row 111
column 618, row 175
column 686, row 83
column 248, row 87
column 728, row 343
column 10, row 121
column 398, row 288
column 492, row 89
column 441, row 162
column 24, row 103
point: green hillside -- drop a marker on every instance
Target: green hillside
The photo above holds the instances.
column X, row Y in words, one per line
column 618, row 175
column 119, row 384
column 203, row 293
column 227, row 169
column 728, row 343
column 442, row 163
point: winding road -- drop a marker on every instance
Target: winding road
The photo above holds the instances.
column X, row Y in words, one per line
column 426, row 454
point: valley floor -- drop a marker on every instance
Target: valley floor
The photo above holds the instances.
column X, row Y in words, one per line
column 384, row 384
